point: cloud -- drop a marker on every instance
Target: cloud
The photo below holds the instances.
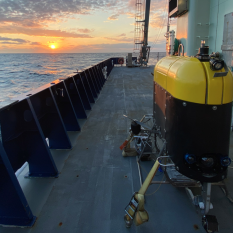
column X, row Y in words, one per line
column 158, row 20
column 123, row 34
column 158, row 15
column 121, row 39
column 20, row 21
column 38, row 13
column 81, row 30
column 33, row 18
column 173, row 21
column 85, row 30
column 113, row 17
column 105, row 47
column 35, row 43
column 40, row 32
column 128, row 7
column 8, row 42
column 20, row 41
column 17, row 41
column 131, row 3
column 130, row 14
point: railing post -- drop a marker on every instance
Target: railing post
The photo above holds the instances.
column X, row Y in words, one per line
column 45, row 107
column 87, row 87
column 95, row 78
column 91, row 83
column 82, row 91
column 14, row 210
column 65, row 106
column 99, row 77
column 23, row 140
column 75, row 98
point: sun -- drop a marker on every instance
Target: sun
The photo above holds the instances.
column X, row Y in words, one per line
column 52, row 46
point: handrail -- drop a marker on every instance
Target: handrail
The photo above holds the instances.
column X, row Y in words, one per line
column 36, row 122
column 182, row 49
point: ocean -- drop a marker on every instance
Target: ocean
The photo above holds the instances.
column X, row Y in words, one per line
column 20, row 73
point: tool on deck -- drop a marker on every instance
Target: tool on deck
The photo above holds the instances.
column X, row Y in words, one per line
column 134, row 130
column 135, row 209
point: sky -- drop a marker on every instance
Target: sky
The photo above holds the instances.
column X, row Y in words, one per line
column 77, row 26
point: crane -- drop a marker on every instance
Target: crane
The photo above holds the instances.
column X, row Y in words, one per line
column 141, row 31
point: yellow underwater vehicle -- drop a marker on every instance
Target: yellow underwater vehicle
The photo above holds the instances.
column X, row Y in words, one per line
column 192, row 109
column 192, row 105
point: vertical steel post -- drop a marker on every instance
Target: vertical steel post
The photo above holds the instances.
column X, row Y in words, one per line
column 15, row 210
column 146, row 27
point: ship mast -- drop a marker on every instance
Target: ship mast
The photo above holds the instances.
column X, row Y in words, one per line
column 146, row 25
column 141, row 31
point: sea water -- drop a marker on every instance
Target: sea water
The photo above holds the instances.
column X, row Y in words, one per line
column 20, row 73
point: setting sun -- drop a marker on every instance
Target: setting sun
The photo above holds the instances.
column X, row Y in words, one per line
column 52, row 46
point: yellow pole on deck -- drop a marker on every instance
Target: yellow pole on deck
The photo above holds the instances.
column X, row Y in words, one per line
column 138, row 213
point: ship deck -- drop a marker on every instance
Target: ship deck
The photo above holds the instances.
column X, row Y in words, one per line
column 96, row 182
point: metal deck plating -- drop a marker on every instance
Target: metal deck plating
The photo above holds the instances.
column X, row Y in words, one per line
column 96, row 182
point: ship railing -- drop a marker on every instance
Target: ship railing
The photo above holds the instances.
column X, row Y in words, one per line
column 37, row 122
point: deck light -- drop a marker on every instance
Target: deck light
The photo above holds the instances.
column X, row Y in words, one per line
column 225, row 161
column 190, row 159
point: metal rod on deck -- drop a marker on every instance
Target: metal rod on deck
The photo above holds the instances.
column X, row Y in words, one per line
column 151, row 174
column 139, row 171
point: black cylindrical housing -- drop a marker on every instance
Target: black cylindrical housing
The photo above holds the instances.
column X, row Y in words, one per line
column 203, row 51
column 198, row 130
